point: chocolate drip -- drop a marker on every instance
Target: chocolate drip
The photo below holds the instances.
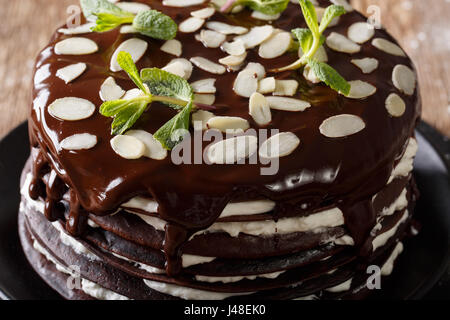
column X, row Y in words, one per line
column 55, row 190
column 175, row 236
column 37, row 187
column 77, row 220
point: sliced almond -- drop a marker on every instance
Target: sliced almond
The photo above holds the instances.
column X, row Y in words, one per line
column 404, row 79
column 232, row 150
column 173, row 47
column 256, row 36
column 134, row 46
column 204, row 86
column 191, row 24
column 287, row 104
column 110, row 90
column 259, row 109
column 82, row 141
column 342, row 125
column 207, row 99
column 212, row 39
column 257, row 68
column 266, row 17
column 208, row 65
column 200, row 119
column 128, row 147
column 233, row 60
column 182, row 3
column 310, row 75
column 84, row 28
column 388, row 47
column 127, row 29
column 367, row 65
column 76, row 46
column 361, row 90
column 132, row 93
column 71, row 109
column 225, row 28
column 279, row 145
column 71, row 72
column 246, row 83
column 133, row 7
column 395, row 105
column 204, row 13
column 234, row 48
column 276, row 45
column 153, row 148
column 360, row 32
column 181, row 67
column 267, row 85
column 285, row 87
column 228, row 124
column 341, row 43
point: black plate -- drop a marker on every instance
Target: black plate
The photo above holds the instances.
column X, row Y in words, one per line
column 424, row 261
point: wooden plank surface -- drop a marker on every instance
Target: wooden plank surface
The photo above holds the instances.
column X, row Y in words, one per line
column 422, row 27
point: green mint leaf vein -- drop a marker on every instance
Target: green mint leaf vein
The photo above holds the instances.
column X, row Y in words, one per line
column 269, row 7
column 155, row 24
column 330, row 76
column 166, row 84
column 310, row 15
column 107, row 21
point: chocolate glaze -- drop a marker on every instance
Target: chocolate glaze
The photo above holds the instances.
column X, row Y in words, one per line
column 191, row 197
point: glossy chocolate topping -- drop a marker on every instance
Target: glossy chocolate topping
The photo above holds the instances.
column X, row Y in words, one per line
column 345, row 172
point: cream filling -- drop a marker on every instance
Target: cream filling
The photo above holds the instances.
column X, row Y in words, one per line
column 272, row 275
column 140, row 265
column 189, row 293
column 191, row 260
column 30, row 203
column 383, row 238
column 344, row 286
column 73, row 243
column 88, row 287
column 388, row 266
column 405, row 166
column 314, row 222
column 100, row 293
column 399, row 204
column 345, row 240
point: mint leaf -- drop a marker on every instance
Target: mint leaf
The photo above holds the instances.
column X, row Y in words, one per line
column 92, row 8
column 125, row 112
column 329, row 75
column 155, row 24
column 269, row 7
column 127, row 64
column 163, row 83
column 331, row 12
column 305, row 38
column 169, row 134
column 310, row 15
column 107, row 21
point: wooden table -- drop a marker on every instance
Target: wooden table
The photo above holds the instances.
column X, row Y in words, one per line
column 422, row 27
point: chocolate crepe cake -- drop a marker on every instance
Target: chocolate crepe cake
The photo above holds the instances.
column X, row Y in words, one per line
column 113, row 216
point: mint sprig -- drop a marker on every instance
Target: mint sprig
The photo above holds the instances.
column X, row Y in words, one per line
column 269, row 7
column 311, row 40
column 155, row 85
column 108, row 16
